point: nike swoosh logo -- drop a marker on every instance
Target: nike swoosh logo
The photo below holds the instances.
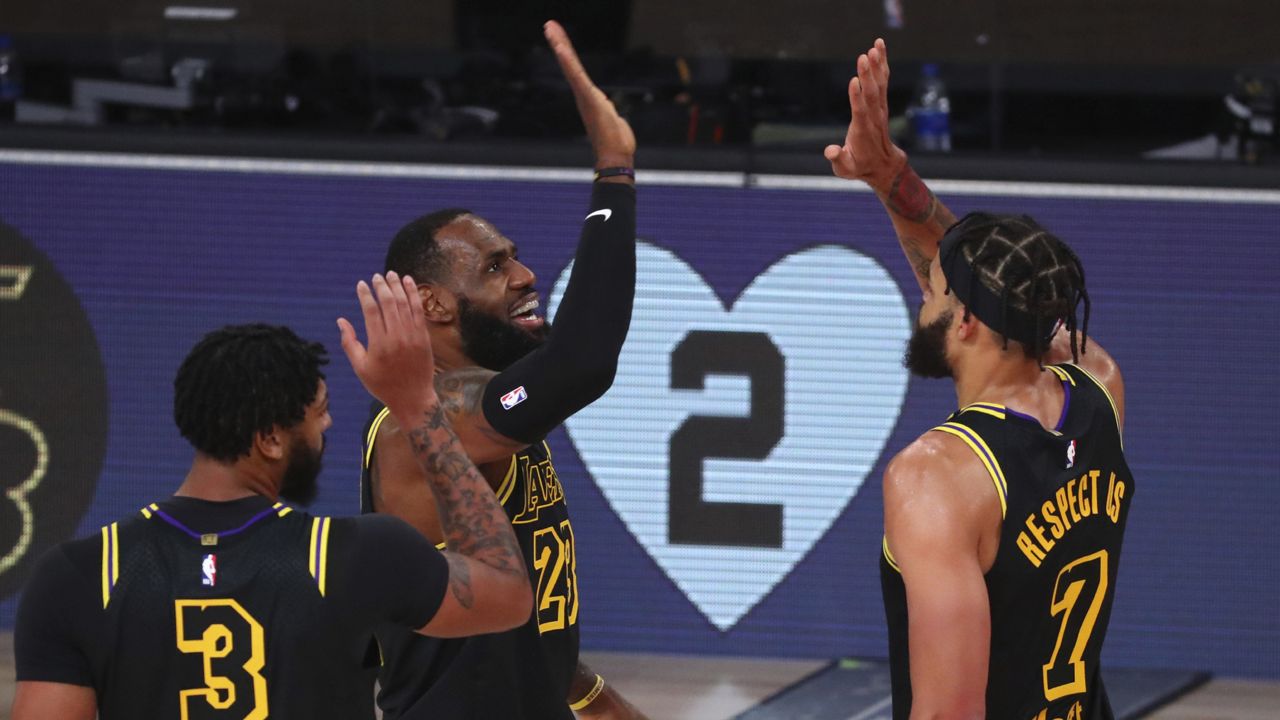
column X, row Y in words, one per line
column 606, row 213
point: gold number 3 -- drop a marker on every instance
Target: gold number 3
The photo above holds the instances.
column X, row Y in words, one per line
column 1085, row 576
column 205, row 628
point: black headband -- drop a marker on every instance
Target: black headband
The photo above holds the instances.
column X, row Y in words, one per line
column 993, row 310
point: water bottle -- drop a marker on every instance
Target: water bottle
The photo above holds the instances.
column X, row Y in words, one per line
column 930, row 112
column 10, row 78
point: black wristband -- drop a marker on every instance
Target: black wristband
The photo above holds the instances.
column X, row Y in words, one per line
column 615, row 172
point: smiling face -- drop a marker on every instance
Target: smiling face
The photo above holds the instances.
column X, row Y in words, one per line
column 498, row 320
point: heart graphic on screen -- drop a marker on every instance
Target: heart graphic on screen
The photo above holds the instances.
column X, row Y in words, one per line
column 732, row 439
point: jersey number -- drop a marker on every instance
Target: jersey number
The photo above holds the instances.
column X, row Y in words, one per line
column 557, row 566
column 1077, row 596
column 231, row 645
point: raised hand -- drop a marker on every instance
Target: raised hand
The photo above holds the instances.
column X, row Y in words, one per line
column 868, row 154
column 398, row 367
column 611, row 137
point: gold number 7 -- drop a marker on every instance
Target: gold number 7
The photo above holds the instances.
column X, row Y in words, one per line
column 1085, row 576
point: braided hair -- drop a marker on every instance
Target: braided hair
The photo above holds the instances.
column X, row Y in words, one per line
column 1032, row 271
column 243, row 380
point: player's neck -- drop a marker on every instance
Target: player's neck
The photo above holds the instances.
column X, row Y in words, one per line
column 446, row 345
column 999, row 377
column 448, row 358
column 217, row 481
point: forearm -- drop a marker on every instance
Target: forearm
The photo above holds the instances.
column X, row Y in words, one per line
column 577, row 363
column 472, row 522
column 919, row 218
column 595, row 312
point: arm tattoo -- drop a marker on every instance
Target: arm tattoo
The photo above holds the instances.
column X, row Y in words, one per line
column 472, row 521
column 461, row 391
column 920, row 262
column 912, row 200
column 461, row 395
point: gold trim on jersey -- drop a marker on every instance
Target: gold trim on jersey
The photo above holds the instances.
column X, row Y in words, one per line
column 508, row 483
column 373, row 434
column 1115, row 413
column 985, row 456
column 992, row 409
column 282, row 509
column 1062, row 374
column 318, row 552
column 110, row 560
column 888, row 556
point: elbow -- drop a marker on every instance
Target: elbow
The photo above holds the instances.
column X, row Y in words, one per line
column 517, row 604
column 599, row 378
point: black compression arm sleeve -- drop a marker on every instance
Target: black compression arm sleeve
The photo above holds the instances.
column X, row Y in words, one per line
column 577, row 363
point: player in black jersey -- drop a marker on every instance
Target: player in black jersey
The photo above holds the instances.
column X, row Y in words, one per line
column 506, row 379
column 223, row 602
column 1004, row 524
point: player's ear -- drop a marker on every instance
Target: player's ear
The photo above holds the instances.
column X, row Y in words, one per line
column 271, row 444
column 966, row 325
column 438, row 303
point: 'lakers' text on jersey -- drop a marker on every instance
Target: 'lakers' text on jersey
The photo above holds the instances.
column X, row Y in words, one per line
column 521, row 674
column 268, row 616
column 1064, row 495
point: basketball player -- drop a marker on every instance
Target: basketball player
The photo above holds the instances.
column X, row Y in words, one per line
column 221, row 601
column 506, row 380
column 1003, row 525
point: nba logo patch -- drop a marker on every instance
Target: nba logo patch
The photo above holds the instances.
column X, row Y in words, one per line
column 514, row 398
column 1071, row 454
column 210, row 569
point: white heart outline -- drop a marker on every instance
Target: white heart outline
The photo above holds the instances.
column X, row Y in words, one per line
column 847, row 298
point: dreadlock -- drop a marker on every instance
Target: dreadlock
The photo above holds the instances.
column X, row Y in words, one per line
column 243, row 380
column 414, row 251
column 1032, row 271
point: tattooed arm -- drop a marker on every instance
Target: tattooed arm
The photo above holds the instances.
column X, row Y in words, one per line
column 488, row 586
column 399, row 483
column 868, row 154
column 487, row 577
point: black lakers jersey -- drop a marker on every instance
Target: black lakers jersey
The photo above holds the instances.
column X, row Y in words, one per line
column 260, row 619
column 521, row 674
column 1064, row 496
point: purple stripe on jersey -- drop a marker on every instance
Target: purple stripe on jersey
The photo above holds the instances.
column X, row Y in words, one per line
column 1024, row 416
column 174, row 522
column 1066, row 403
column 111, row 557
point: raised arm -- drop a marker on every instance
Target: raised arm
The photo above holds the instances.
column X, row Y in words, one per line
column 488, row 585
column 577, row 363
column 869, row 155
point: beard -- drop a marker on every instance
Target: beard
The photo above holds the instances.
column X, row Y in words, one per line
column 926, row 354
column 299, row 484
column 492, row 342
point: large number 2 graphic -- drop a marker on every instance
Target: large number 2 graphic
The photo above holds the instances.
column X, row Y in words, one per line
column 211, row 629
column 557, row 566
column 1078, row 594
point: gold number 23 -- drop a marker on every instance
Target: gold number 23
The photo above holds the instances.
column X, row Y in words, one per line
column 222, row 633
column 557, row 566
